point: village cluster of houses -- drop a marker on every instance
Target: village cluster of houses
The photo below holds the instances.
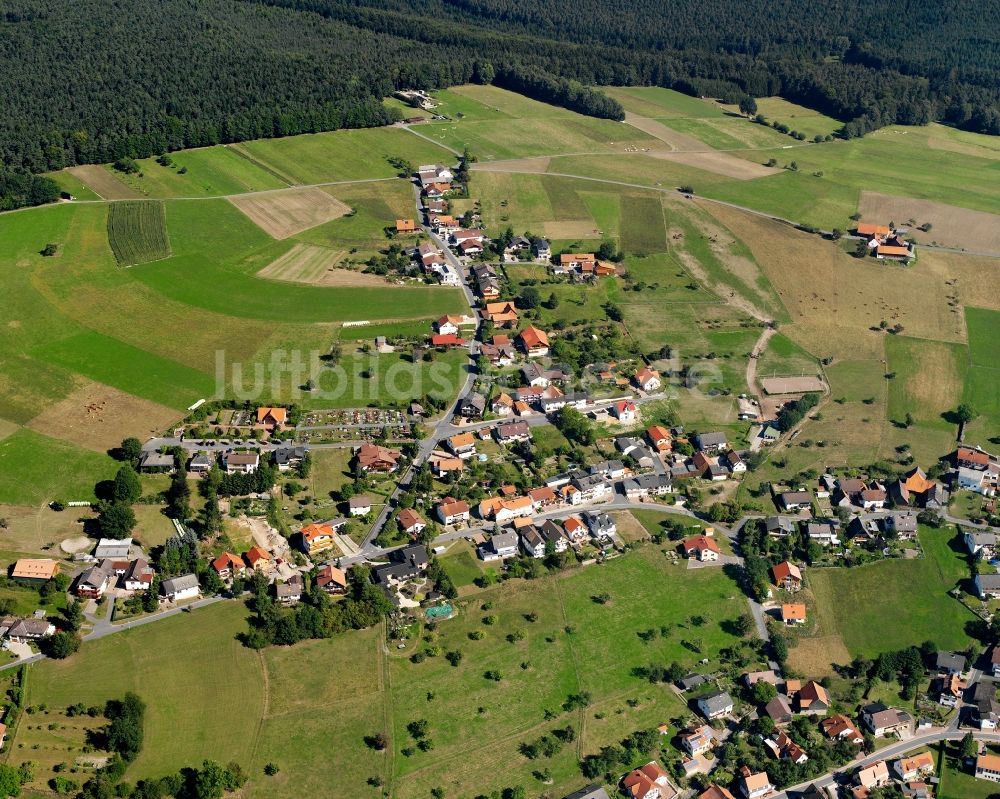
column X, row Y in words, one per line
column 886, row 243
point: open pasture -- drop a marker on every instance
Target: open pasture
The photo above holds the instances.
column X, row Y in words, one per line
column 730, row 132
column 984, row 373
column 951, row 226
column 284, row 213
column 137, row 232
column 797, row 117
column 343, row 155
column 35, row 468
column 929, row 377
column 98, row 417
column 656, row 102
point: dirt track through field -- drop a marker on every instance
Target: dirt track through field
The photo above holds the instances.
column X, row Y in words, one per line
column 951, row 225
column 103, row 183
column 281, row 214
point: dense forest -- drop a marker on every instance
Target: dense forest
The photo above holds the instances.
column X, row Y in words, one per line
column 97, row 80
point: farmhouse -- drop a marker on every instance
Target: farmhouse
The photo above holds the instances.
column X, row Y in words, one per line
column 96, row 580
column 813, row 698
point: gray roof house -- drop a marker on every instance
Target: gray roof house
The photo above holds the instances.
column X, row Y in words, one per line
column 113, row 548
column 710, row 440
column 779, row 526
column 473, row 405
column 156, row 462
column 589, row 792
column 600, row 524
column 950, row 663
column 715, row 705
column 180, row 587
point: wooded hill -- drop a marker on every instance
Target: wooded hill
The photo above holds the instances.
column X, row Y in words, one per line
column 95, row 80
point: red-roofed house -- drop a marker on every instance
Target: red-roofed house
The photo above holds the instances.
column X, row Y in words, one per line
column 649, row 782
column 647, row 379
column 228, row 565
column 702, row 548
column 534, row 342
column 411, row 522
column 332, row 580
column 317, row 538
column 787, row 575
column 624, row 411
column 660, row 438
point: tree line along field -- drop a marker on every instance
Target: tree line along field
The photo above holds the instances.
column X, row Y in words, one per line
column 309, row 707
column 137, row 232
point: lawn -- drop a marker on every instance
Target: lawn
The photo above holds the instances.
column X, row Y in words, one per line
column 656, row 102
column 185, row 668
column 36, row 469
column 462, row 564
column 784, row 357
column 855, row 603
column 959, row 782
column 342, row 155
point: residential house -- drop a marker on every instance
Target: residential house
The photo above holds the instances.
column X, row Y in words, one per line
column 534, row 342
column 751, row 678
column 452, row 511
column 823, row 533
column 442, row 464
column 543, row 251
column 872, row 498
column 882, row 720
column 532, row 542
column 360, row 505
column 288, row 458
column 648, row 782
column 503, row 545
column 660, row 438
column 35, row 569
column 25, row 630
column 795, row 500
column 648, row 379
column 501, row 314
column 646, row 485
column 411, row 522
column 715, row 705
column 601, row 524
column 949, row 663
column 784, row 748
column 988, row 767
column 624, row 411
column 93, row 582
column 613, row 470
column 290, row 592
column 241, row 462
column 874, row 776
column 779, row 526
column 576, row 530
column 542, row 497
column 813, row 698
column 180, row 588
column 472, row 406
column 512, row 432
column 503, row 405
column 139, row 575
column 404, row 226
column 841, row 728
column 793, row 613
column 553, row 534
column 257, row 559
column 981, row 545
column 331, row 579
column 787, row 575
column 463, row 445
column 754, row 786
column 317, row 538
column 711, row 442
column 201, row 463
column 714, row 791
column 901, row 525
column 156, row 462
column 735, row 462
column 698, row 741
column 590, row 488
column 913, row 768
column 779, row 710
column 701, row 547
column 272, row 418
column 228, row 565
column 995, row 661
column 447, row 340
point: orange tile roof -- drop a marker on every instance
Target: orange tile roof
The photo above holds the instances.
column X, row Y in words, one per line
column 405, row 226
column 35, row 569
column 782, row 571
column 793, row 611
column 887, row 249
column 532, row 337
column 313, row 531
column 277, row 415
column 871, row 229
column 700, row 542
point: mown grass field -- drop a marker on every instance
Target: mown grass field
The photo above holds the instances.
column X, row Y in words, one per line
column 342, row 155
column 797, row 117
column 137, row 232
column 928, row 381
column 957, row 780
column 35, row 469
column 656, row 102
column 984, row 370
column 856, row 603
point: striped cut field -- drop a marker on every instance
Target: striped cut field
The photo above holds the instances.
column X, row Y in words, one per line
column 137, row 232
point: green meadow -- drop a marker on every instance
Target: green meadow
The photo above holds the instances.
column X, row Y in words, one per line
column 984, row 370
column 35, row 469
